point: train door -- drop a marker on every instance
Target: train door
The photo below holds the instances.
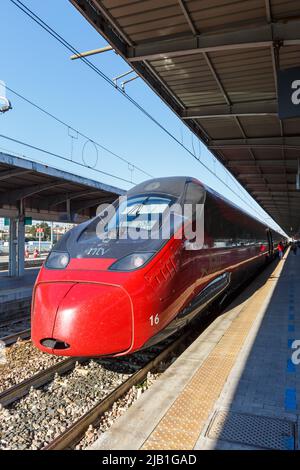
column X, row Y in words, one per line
column 270, row 243
column 192, row 251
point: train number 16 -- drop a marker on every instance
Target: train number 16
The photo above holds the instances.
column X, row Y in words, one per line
column 154, row 320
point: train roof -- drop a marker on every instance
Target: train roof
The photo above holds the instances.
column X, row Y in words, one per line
column 240, row 209
column 174, row 186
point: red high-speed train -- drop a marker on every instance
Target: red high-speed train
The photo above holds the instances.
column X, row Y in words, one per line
column 115, row 295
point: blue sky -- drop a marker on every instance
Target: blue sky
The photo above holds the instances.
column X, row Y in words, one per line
column 38, row 67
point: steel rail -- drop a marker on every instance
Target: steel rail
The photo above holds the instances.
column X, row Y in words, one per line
column 21, row 389
column 10, row 323
column 31, row 263
column 10, row 339
column 72, row 435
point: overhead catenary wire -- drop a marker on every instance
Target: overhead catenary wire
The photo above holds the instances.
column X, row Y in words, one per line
column 27, row 11
column 48, row 152
column 68, row 126
column 71, row 48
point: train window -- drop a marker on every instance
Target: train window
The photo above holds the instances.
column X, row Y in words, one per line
column 141, row 212
column 195, row 194
column 226, row 226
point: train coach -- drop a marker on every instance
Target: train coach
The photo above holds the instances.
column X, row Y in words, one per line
column 102, row 293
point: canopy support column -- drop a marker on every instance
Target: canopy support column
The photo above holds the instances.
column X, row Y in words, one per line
column 12, row 264
column 21, row 240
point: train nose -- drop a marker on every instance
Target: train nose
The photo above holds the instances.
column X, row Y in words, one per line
column 82, row 319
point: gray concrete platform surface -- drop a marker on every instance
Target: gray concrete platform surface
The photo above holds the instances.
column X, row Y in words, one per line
column 236, row 386
column 16, row 289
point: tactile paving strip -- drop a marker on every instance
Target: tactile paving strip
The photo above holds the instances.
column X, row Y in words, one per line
column 181, row 426
column 253, row 430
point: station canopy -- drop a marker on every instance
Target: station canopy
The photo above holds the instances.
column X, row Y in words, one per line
column 48, row 193
column 215, row 64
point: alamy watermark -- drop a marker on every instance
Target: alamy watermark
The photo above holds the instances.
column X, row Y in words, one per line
column 142, row 219
column 296, row 354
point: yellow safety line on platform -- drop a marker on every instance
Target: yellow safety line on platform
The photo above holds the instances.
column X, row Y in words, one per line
column 181, row 426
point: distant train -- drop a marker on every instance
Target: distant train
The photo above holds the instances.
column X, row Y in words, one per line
column 116, row 295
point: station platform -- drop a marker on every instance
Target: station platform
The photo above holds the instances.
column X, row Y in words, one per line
column 16, row 289
column 29, row 263
column 235, row 387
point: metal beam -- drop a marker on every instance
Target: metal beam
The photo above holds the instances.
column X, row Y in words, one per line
column 4, row 175
column 62, row 197
column 267, row 163
column 54, row 174
column 286, row 209
column 115, row 79
column 81, row 205
column 163, row 83
column 280, row 200
column 10, row 197
column 229, row 103
column 102, row 23
column 92, row 52
column 165, row 92
column 216, row 78
column 75, row 201
column 282, row 205
column 187, row 15
column 274, row 192
column 247, row 38
column 255, row 108
column 226, row 97
column 275, row 50
column 100, row 8
column 266, row 175
column 294, row 195
column 268, row 11
column 128, row 81
column 40, row 214
column 157, row 85
column 292, row 142
column 270, row 183
column 256, row 37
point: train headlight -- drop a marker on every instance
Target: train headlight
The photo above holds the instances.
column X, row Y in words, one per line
column 131, row 262
column 57, row 260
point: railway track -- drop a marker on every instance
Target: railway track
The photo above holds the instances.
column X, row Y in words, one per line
column 14, row 310
column 17, row 322
column 28, row 264
column 73, row 433
column 13, row 338
column 21, row 389
column 11, row 323
column 74, row 428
